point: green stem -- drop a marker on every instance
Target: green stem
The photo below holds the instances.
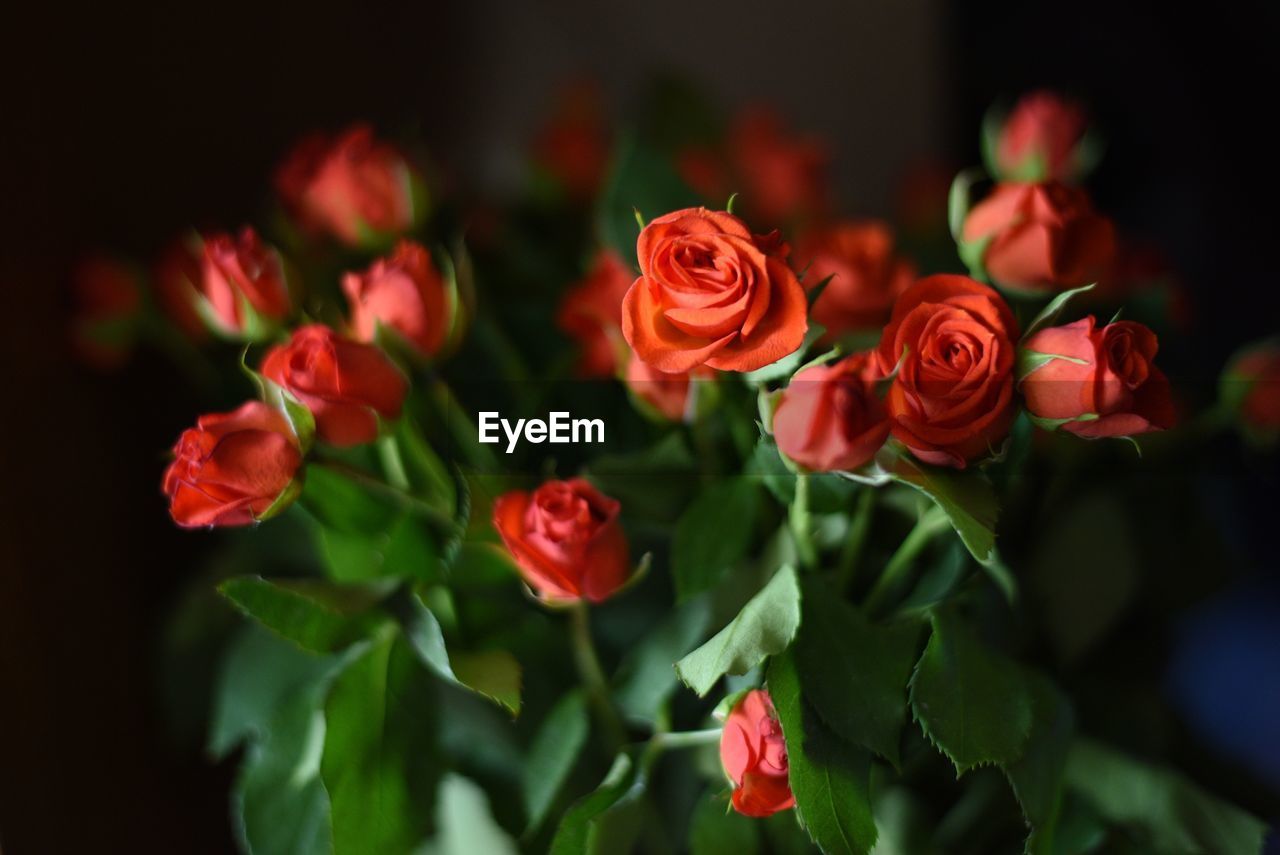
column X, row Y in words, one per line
column 686, row 739
column 393, row 463
column 933, row 521
column 851, row 549
column 443, row 522
column 801, row 523
column 593, row 676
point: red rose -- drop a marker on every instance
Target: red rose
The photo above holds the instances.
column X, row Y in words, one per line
column 1106, row 384
column 1040, row 237
column 1039, row 138
column 754, row 757
column 405, row 293
column 566, row 539
column 829, row 418
column 345, row 384
column 1258, row 371
column 232, row 468
column 178, row 276
column 354, row 187
column 108, row 297
column 667, row 394
column 784, row 176
column 709, row 294
column 574, row 145
column 591, row 312
column 242, row 280
column 952, row 341
column 866, row 277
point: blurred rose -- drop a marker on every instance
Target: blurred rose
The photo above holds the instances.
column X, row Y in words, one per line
column 1256, row 373
column 1042, row 237
column 1039, row 138
column 829, row 418
column 667, row 394
column 591, row 312
column 242, row 280
column 704, row 169
column 784, row 177
column 108, row 301
column 866, row 275
column 403, row 292
column 574, row 145
column 566, row 540
column 709, row 294
column 345, row 384
column 1105, row 384
column 231, row 468
column 178, row 277
column 951, row 339
column 353, row 187
column 754, row 757
column 921, row 197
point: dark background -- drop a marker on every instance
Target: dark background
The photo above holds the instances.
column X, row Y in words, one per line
column 123, row 125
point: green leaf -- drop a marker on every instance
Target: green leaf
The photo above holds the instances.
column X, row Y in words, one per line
column 972, row 702
column 493, row 673
column 855, row 673
column 341, row 504
column 653, row 483
column 425, row 473
column 317, row 616
column 1038, row 777
column 714, row 534
column 1050, row 312
column 641, row 182
column 645, row 679
column 405, row 550
column 764, row 627
column 829, row 778
column 1169, row 812
column 583, row 823
column 717, row 830
column 552, row 755
column 958, row 200
column 465, row 822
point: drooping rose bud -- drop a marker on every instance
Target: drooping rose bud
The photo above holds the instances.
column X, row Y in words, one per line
column 108, row 296
column 866, row 275
column 1040, row 139
column 233, row 469
column 178, row 277
column 242, row 285
column 566, row 540
column 754, row 757
column 1096, row 381
column 1039, row 237
column 666, row 395
column 829, row 419
column 591, row 312
column 1251, row 386
column 403, row 292
column 352, row 187
column 345, row 384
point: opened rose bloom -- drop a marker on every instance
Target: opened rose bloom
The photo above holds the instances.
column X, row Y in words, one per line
column 242, row 282
column 754, row 757
column 711, row 293
column 233, row 469
column 1039, row 139
column 1097, row 381
column 566, row 540
column 1040, row 237
column 866, row 276
column 951, row 340
column 591, row 312
column 829, row 418
column 405, row 293
column 347, row 385
column 353, row 187
column 668, row 395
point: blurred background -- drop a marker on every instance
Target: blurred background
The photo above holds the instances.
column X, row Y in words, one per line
column 121, row 125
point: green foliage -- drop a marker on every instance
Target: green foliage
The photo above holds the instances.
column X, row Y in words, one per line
column 552, row 755
column 318, row 616
column 645, row 680
column 714, row 534
column 585, row 824
column 717, row 830
column 641, row 180
column 465, row 824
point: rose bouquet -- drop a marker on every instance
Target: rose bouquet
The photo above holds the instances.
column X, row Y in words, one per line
column 770, row 611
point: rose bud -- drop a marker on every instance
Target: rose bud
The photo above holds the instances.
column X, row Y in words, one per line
column 354, row 187
column 754, row 757
column 784, row 176
column 709, row 294
column 1251, row 388
column 1096, row 382
column 1040, row 139
column 178, row 274
column 403, row 292
column 345, row 384
column 829, row 418
column 1038, row 238
column 566, row 540
column 951, row 341
column 591, row 312
column 108, row 296
column 242, row 285
column 664, row 395
column 866, row 276
column 233, row 468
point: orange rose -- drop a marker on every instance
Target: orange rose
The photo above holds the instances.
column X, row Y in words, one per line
column 829, row 418
column 591, row 312
column 566, row 540
column 1040, row 237
column 754, row 757
column 709, row 294
column 1039, row 138
column 866, row 277
column 242, row 282
column 403, row 292
column 1106, row 384
column 951, row 339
